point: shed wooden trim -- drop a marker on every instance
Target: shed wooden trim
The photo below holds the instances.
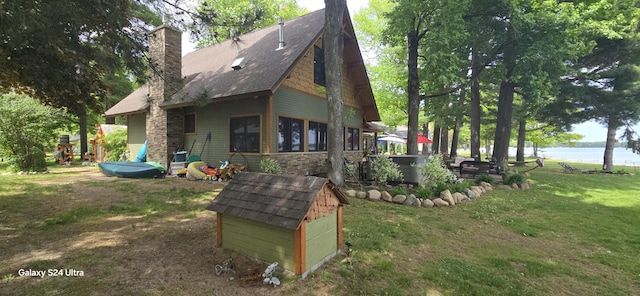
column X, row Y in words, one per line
column 339, row 228
column 218, row 229
column 299, row 249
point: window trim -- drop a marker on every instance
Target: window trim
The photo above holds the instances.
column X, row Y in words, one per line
column 303, row 129
column 259, row 116
column 348, row 144
column 309, row 138
column 184, row 123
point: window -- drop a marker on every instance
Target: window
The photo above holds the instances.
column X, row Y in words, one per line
column 317, row 136
column 290, row 135
column 244, row 134
column 190, row 123
column 353, row 139
column 318, row 66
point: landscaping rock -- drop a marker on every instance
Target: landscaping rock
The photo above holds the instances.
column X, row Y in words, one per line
column 399, row 198
column 417, row 203
column 374, row 194
column 477, row 190
column 386, row 196
column 361, row 194
column 427, row 203
column 458, row 197
column 410, row 200
column 470, row 193
column 515, row 186
column 486, row 186
column 446, row 196
column 525, row 186
column 438, row 202
column 351, row 193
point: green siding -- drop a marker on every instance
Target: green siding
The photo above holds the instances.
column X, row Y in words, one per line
column 214, row 118
column 136, row 133
column 322, row 239
column 258, row 240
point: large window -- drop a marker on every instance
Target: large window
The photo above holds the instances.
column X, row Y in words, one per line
column 318, row 66
column 317, row 136
column 244, row 134
column 290, row 135
column 190, row 123
column 353, row 139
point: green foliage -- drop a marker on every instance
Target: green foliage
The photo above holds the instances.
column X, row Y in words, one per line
column 484, row 178
column 384, row 169
column 434, row 171
column 115, row 143
column 439, row 187
column 398, row 190
column 26, row 127
column 509, row 178
column 349, row 171
column 423, row 192
column 460, row 187
column 271, row 166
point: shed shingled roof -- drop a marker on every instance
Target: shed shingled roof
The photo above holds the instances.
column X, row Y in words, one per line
column 208, row 73
column 281, row 201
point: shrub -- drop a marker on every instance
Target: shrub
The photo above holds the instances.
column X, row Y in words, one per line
column 423, row 192
column 349, row 171
column 115, row 144
column 398, row 190
column 439, row 187
column 460, row 187
column 271, row 166
column 484, row 178
column 384, row 169
column 434, row 171
column 509, row 179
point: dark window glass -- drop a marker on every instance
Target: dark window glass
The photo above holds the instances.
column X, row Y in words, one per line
column 353, row 139
column 318, row 66
column 245, row 134
column 317, row 136
column 190, row 123
column 290, row 135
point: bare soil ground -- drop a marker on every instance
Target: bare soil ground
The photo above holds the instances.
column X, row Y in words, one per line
column 124, row 254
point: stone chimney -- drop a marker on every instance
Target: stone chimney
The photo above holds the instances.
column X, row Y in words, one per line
column 164, row 126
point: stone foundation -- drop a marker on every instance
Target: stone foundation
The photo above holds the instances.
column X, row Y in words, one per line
column 309, row 163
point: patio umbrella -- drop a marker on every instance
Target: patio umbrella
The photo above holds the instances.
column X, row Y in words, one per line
column 422, row 139
column 392, row 139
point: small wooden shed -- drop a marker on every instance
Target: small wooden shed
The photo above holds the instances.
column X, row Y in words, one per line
column 293, row 220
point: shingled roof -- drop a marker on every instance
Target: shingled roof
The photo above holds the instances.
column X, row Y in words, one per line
column 281, row 201
column 209, row 74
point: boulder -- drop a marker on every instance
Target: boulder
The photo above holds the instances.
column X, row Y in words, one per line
column 374, row 194
column 515, row 186
column 486, row 186
column 351, row 193
column 427, row 203
column 477, row 190
column 410, row 200
column 458, row 197
column 446, row 196
column 386, row 196
column 399, row 198
column 361, row 194
column 438, row 202
column 470, row 193
column 525, row 186
column 417, row 203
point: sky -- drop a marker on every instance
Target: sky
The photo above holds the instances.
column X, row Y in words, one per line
column 592, row 131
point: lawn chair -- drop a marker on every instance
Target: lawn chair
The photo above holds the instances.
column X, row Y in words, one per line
column 569, row 169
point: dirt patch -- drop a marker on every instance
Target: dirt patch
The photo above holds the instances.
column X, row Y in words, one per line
column 171, row 254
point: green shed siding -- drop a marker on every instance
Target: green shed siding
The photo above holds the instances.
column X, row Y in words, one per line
column 258, row 240
column 214, row 118
column 136, row 133
column 322, row 239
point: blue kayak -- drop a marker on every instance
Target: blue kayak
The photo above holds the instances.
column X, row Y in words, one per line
column 126, row 169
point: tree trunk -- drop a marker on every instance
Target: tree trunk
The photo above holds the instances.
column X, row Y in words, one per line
column 535, row 150
column 436, row 139
column 333, row 46
column 455, row 137
column 475, row 111
column 413, row 89
column 607, row 165
column 444, row 140
column 425, row 132
column 522, row 135
column 83, row 133
column 503, row 124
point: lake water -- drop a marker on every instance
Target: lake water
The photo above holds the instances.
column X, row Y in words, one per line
column 621, row 156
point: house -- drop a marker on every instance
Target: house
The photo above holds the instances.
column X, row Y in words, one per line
column 99, row 153
column 259, row 95
column 293, row 220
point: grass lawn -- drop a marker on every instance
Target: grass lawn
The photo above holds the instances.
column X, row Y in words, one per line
column 571, row 234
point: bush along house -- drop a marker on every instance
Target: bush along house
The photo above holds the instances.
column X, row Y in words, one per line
column 259, row 95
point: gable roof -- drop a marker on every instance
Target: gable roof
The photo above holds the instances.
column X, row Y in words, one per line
column 209, row 76
column 281, row 201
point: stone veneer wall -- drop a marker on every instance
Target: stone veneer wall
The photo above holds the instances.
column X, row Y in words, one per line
column 305, row 163
column 164, row 127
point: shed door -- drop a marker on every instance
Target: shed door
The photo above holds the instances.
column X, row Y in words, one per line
column 322, row 238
